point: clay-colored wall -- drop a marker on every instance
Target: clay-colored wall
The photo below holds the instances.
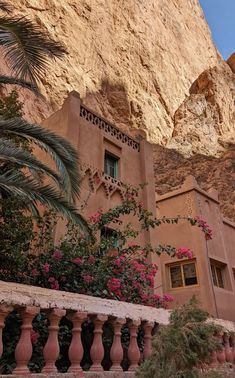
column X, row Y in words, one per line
column 76, row 123
column 191, row 200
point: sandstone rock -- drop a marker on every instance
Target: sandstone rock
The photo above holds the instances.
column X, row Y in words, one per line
column 205, row 122
column 171, row 169
column 231, row 62
column 132, row 61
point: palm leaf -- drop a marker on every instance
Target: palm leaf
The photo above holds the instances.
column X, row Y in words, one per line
column 61, row 151
column 30, row 192
column 10, row 153
column 27, row 47
column 14, row 81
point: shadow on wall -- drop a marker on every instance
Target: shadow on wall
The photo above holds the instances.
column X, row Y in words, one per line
column 112, row 103
column 171, row 168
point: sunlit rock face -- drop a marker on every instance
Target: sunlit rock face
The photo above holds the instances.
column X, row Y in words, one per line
column 132, row 61
column 148, row 64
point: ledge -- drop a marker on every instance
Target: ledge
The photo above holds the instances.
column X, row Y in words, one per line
column 25, row 295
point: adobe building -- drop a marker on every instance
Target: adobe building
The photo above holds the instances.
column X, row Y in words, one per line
column 210, row 275
column 109, row 159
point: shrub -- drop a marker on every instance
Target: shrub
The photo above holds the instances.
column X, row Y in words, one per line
column 185, row 343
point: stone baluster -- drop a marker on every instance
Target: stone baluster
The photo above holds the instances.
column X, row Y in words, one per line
column 227, row 349
column 51, row 349
column 213, row 359
column 4, row 311
column 24, row 349
column 233, row 346
column 133, row 349
column 148, row 327
column 76, row 348
column 116, row 351
column 97, row 348
column 220, row 353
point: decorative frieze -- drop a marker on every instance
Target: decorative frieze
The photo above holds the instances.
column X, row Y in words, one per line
column 108, row 128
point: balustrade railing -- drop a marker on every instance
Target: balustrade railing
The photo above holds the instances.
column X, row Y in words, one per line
column 138, row 323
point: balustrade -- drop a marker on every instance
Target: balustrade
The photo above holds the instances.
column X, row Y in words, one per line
column 109, row 315
column 51, row 350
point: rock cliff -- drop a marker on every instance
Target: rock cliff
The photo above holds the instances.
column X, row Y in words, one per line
column 132, row 61
column 148, row 64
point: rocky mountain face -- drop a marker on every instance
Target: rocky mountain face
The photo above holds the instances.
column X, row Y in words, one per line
column 148, row 64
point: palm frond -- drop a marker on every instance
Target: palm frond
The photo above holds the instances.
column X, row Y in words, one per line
column 61, row 151
column 4, row 7
column 27, row 47
column 22, row 83
column 30, row 192
column 9, row 152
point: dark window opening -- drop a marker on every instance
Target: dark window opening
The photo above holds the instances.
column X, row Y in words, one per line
column 111, row 165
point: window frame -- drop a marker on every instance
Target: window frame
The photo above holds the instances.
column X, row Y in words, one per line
column 214, row 266
column 116, row 160
column 182, row 264
column 109, row 230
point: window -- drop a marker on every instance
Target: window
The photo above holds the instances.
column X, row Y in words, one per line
column 217, row 270
column 183, row 274
column 111, row 165
column 110, row 234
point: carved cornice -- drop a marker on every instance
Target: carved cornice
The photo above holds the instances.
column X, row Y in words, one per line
column 108, row 128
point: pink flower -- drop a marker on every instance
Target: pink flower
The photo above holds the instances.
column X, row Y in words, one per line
column 57, row 255
column 168, row 298
column 118, row 261
column 77, row 261
column 95, row 218
column 91, row 260
column 55, row 285
column 34, row 272
column 88, row 278
column 144, row 297
column 184, row 252
column 51, row 279
column 150, row 278
column 137, row 285
column 62, row 279
column 139, row 267
column 157, row 297
column 205, row 227
column 114, row 285
column 34, row 335
column 46, row 267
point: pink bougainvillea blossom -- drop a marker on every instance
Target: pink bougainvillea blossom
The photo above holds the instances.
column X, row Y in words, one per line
column 114, row 285
column 34, row 272
column 78, row 261
column 184, row 252
column 88, row 278
column 168, row 298
column 34, row 335
column 46, row 268
column 95, row 218
column 57, row 255
column 91, row 260
column 204, row 226
column 53, row 283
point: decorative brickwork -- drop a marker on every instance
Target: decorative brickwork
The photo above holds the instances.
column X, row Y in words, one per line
column 108, row 128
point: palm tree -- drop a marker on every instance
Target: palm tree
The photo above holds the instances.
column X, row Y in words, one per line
column 27, row 51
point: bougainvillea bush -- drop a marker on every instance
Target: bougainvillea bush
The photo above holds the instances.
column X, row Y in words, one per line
column 110, row 266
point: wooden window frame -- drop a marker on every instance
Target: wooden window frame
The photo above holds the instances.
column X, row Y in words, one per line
column 214, row 265
column 182, row 264
column 116, row 166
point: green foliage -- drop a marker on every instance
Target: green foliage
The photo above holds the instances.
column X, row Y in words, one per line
column 185, row 343
column 10, row 106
